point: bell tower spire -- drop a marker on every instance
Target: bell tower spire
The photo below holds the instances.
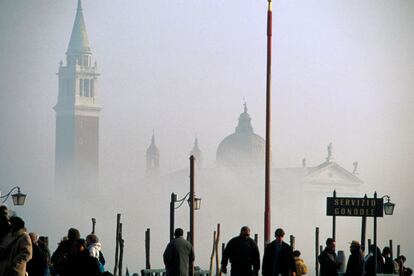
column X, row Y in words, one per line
column 77, row 114
column 79, row 50
column 196, row 152
column 153, row 157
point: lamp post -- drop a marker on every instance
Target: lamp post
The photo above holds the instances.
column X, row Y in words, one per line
column 388, row 209
column 18, row 198
column 193, row 202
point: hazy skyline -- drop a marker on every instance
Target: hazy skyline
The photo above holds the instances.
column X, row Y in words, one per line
column 342, row 73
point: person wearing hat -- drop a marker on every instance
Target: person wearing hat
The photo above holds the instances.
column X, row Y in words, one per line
column 355, row 265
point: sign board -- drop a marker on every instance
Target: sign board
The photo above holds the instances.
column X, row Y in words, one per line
column 354, row 207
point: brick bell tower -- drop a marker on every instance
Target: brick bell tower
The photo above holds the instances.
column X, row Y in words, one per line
column 77, row 115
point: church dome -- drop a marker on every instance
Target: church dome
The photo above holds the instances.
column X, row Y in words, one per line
column 243, row 147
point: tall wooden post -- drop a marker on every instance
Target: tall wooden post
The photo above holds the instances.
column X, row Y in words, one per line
column 398, row 250
column 192, row 200
column 213, row 251
column 316, row 251
column 192, row 193
column 218, row 270
column 93, row 225
column 292, row 242
column 118, row 222
column 121, row 250
column 172, row 215
column 363, row 229
column 392, row 250
column 268, row 125
column 147, row 249
column 375, row 240
column 334, row 220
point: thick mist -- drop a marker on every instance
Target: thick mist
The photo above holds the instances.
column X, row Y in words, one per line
column 342, row 73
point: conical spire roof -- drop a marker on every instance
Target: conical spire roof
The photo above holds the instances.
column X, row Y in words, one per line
column 79, row 42
column 153, row 149
column 196, row 152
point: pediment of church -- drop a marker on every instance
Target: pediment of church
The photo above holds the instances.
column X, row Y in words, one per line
column 330, row 173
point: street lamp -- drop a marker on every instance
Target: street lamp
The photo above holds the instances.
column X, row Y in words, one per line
column 388, row 206
column 194, row 202
column 18, row 198
column 174, row 200
column 388, row 209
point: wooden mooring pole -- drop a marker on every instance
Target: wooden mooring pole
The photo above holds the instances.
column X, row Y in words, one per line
column 118, row 221
column 316, row 251
column 147, row 249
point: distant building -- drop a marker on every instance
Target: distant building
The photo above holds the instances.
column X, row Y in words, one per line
column 153, row 157
column 243, row 147
column 240, row 159
column 77, row 115
column 198, row 155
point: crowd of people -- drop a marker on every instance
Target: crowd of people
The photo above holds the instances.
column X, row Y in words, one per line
column 360, row 264
column 280, row 259
column 23, row 253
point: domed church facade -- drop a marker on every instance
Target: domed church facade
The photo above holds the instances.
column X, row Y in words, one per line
column 243, row 147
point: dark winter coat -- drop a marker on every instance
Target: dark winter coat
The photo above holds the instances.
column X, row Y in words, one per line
column 243, row 255
column 328, row 264
column 38, row 264
column 388, row 266
column 63, row 258
column 369, row 266
column 284, row 264
column 355, row 265
column 86, row 265
column 179, row 257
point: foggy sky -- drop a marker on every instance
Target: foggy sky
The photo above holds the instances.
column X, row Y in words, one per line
column 342, row 73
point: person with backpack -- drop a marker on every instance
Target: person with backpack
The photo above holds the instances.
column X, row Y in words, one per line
column 301, row 268
column 85, row 264
column 94, row 247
